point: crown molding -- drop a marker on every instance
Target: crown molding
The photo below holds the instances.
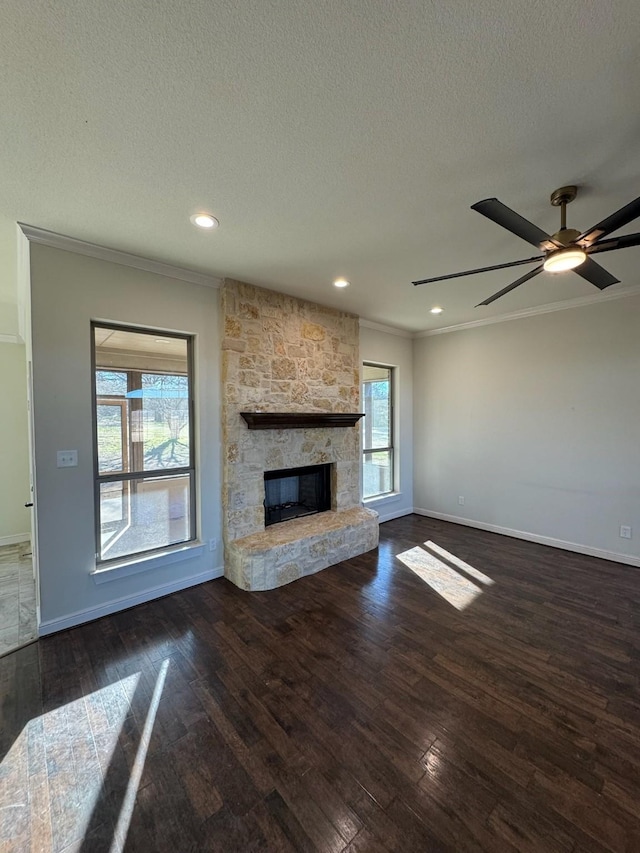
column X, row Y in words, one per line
column 104, row 253
column 389, row 330
column 549, row 308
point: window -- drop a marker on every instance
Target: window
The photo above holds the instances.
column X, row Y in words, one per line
column 377, row 442
column 143, row 438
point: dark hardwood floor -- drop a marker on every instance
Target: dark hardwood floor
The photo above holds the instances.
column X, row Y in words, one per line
column 355, row 710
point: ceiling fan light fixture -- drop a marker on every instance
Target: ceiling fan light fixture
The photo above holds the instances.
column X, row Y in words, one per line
column 564, row 259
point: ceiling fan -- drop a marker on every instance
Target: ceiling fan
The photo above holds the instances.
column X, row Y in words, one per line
column 567, row 249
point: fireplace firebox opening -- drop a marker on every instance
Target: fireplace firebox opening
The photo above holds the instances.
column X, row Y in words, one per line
column 296, row 492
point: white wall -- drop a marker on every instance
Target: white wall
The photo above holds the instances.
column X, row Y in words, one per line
column 14, row 479
column 395, row 351
column 68, row 291
column 536, row 422
column 8, row 282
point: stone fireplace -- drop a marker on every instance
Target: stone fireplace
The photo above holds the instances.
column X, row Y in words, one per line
column 284, row 355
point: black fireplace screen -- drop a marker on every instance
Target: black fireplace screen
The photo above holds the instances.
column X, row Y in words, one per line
column 294, row 492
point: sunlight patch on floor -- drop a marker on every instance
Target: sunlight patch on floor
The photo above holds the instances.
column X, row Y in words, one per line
column 457, row 562
column 452, row 584
column 78, row 738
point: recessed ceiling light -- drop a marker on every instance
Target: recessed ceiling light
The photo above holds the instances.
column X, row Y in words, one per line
column 204, row 220
column 436, row 310
column 341, row 282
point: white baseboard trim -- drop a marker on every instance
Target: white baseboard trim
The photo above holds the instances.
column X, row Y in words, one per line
column 51, row 626
column 614, row 556
column 15, row 539
column 389, row 516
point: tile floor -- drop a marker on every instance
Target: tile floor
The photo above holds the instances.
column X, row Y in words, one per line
column 17, row 597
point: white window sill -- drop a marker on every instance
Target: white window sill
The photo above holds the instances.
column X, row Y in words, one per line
column 382, row 500
column 133, row 565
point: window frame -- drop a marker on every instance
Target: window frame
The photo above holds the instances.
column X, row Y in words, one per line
column 159, row 473
column 390, row 449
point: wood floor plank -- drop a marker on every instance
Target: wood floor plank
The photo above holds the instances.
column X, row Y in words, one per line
column 353, row 711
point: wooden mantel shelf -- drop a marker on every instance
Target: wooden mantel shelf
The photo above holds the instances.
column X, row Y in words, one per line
column 300, row 420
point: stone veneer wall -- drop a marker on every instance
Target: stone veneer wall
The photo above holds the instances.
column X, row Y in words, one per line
column 282, row 354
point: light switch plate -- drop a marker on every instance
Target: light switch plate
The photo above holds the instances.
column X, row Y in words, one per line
column 67, row 458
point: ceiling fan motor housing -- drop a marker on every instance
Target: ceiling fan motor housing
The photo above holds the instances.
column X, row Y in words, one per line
column 566, row 236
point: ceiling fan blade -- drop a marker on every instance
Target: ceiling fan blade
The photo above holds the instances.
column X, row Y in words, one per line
column 512, row 286
column 595, row 274
column 479, row 270
column 624, row 242
column 617, row 220
column 512, row 221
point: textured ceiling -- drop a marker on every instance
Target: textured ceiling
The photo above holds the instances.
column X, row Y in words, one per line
column 329, row 138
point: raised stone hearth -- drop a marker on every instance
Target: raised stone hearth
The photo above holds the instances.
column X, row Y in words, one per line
column 287, row 551
column 284, row 355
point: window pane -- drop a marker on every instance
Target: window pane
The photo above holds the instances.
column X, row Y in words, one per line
column 140, row 515
column 377, row 473
column 377, row 406
column 377, row 431
column 148, row 375
column 111, row 421
column 165, row 424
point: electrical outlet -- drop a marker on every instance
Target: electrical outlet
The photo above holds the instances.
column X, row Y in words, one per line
column 213, row 544
column 625, row 531
column 460, row 500
column 67, row 458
